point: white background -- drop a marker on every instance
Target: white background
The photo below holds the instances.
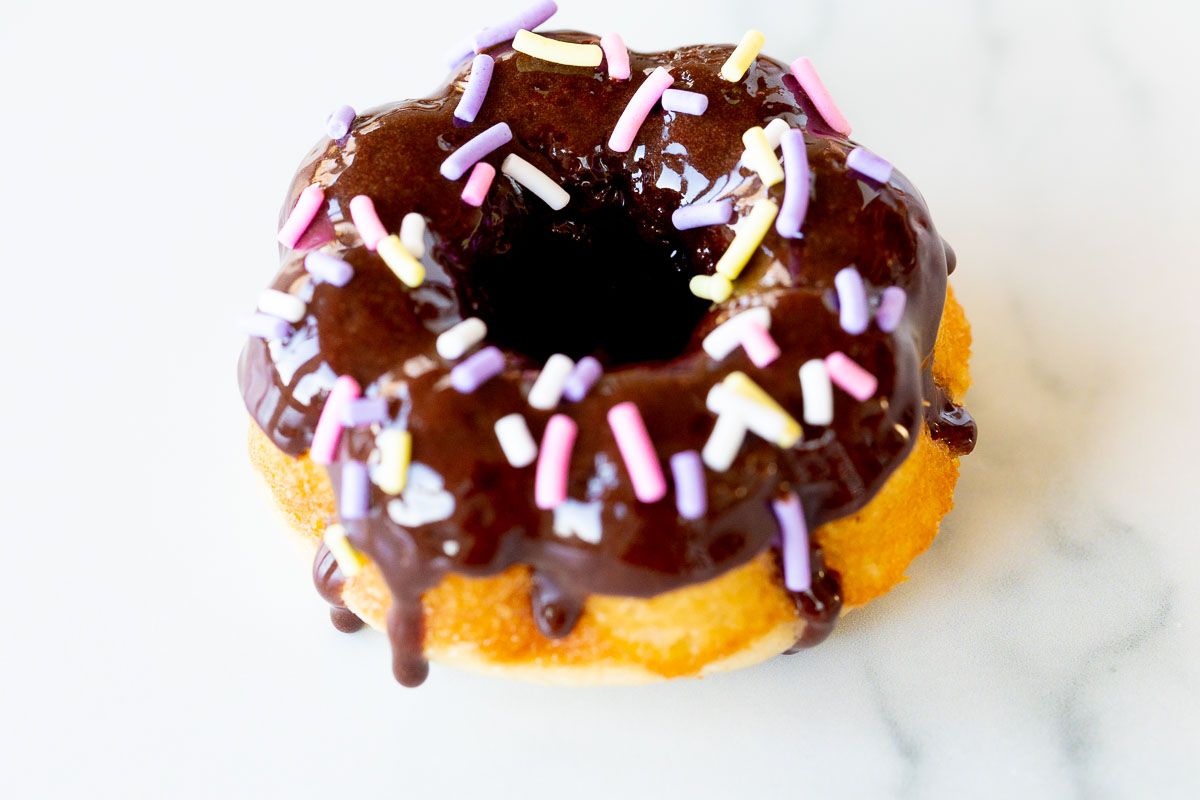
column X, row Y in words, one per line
column 161, row 638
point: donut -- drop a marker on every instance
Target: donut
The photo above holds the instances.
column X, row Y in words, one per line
column 599, row 366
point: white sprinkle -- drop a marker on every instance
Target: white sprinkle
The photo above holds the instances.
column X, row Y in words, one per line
column 516, row 441
column 424, row 500
column 761, row 420
column 548, row 388
column 581, row 520
column 535, row 181
column 450, row 547
column 774, row 131
column 281, row 304
column 412, row 234
column 456, row 341
column 818, row 393
column 726, row 337
column 724, row 442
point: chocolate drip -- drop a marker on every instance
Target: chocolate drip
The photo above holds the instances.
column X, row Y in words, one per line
column 328, row 579
column 951, row 424
column 820, row 606
column 555, row 610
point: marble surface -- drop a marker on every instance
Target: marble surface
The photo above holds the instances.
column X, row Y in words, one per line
column 161, row 638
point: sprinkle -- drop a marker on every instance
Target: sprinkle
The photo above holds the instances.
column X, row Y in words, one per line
column 775, row 130
column 535, row 181
column 761, row 156
column 554, row 461
column 643, row 100
column 303, row 213
column 370, row 229
column 793, row 530
column 265, row 326
column 759, row 345
column 691, row 492
column 716, row 288
column 476, row 89
column 743, row 56
column 424, row 500
column 581, row 520
column 796, row 188
column 582, row 378
column 395, row 456
column 817, row 391
column 530, row 18
column 456, row 341
column 724, row 442
column 891, row 308
column 482, row 175
column 401, row 262
column 548, row 388
column 726, row 337
column 557, row 52
column 854, row 313
column 328, row 432
column 637, row 451
column 281, row 304
column 516, row 441
column 864, row 162
column 349, row 560
column 477, row 370
column 339, row 122
column 460, row 52
column 356, row 491
column 850, row 377
column 328, row 268
column 684, row 102
column 812, row 85
column 702, row 215
column 617, row 56
column 758, row 411
column 365, row 411
column 412, row 234
column 474, row 149
column 751, row 230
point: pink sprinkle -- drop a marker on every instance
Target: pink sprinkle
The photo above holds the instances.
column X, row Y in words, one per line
column 370, row 229
column 617, row 56
column 303, row 213
column 639, row 107
column 793, row 531
column 853, row 379
column 478, row 184
column 328, row 433
column 554, row 461
column 759, row 345
column 812, row 85
column 638, row 452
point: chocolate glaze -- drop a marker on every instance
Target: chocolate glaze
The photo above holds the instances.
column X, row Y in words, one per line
column 606, row 276
column 328, row 579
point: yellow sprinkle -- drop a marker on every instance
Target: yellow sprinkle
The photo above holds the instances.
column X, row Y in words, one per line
column 396, row 255
column 760, row 156
column 569, row 53
column 743, row 56
column 751, row 230
column 395, row 454
column 716, row 288
column 741, row 384
column 349, row 560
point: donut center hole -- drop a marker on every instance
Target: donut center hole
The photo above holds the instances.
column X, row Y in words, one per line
column 585, row 281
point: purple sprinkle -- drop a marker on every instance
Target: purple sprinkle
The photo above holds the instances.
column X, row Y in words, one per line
column 581, row 378
column 528, row 19
column 477, row 86
column 264, row 326
column 466, row 156
column 684, row 102
column 891, row 308
column 338, row 123
column 796, row 187
column 864, row 162
column 852, row 301
column 469, row 375
column 701, row 215
column 356, row 491
column 327, row 268
column 364, row 411
column 691, row 493
column 797, row 571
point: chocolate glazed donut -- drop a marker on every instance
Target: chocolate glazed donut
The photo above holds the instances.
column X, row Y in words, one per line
column 607, row 276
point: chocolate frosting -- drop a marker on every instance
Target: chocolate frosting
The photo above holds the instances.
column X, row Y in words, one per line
column 607, row 276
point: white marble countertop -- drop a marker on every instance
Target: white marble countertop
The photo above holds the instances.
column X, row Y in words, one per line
column 162, row 639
